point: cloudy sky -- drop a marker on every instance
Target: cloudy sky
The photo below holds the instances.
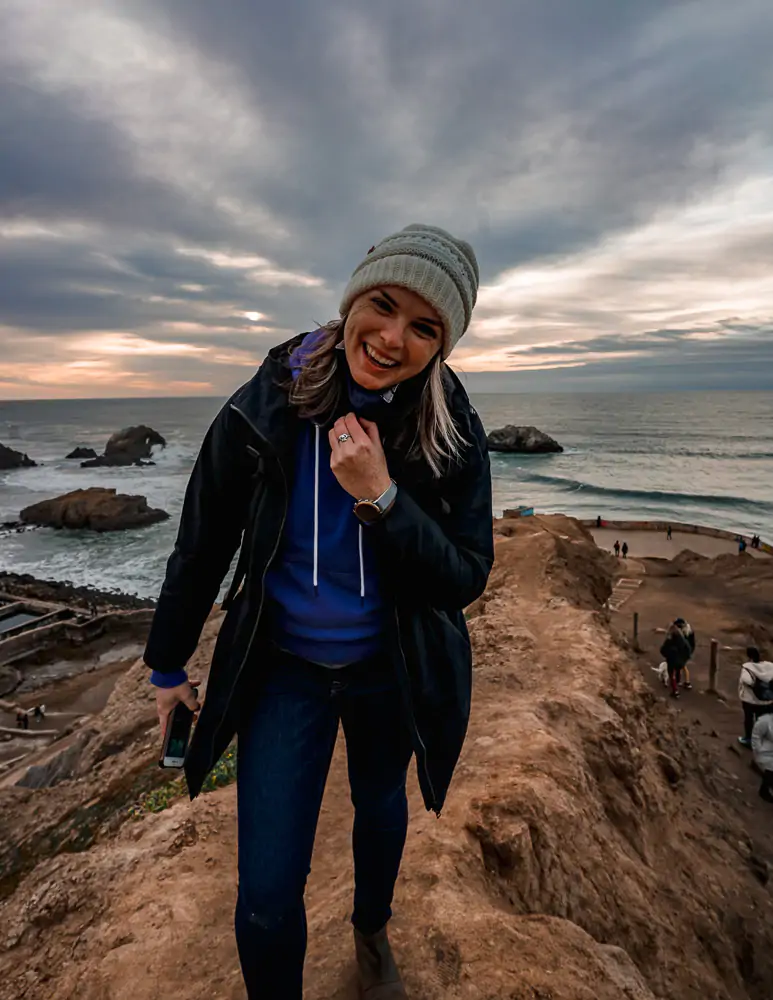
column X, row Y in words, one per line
column 184, row 183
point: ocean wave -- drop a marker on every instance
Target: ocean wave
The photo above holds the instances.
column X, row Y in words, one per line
column 176, row 453
column 672, row 452
column 648, row 496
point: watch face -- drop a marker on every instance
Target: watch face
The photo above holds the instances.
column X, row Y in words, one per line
column 367, row 511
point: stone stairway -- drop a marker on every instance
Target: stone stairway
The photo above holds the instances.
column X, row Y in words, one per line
column 622, row 590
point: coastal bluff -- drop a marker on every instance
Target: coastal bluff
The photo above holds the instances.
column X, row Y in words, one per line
column 583, row 854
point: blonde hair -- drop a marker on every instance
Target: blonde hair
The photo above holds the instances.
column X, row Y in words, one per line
column 317, row 394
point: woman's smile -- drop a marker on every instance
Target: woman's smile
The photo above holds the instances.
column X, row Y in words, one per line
column 377, row 358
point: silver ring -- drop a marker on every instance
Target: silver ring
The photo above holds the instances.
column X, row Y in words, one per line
column 343, row 437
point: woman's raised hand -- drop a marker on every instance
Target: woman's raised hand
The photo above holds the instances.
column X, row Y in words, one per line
column 358, row 462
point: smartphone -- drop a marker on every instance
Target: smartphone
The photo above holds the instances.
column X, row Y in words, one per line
column 178, row 731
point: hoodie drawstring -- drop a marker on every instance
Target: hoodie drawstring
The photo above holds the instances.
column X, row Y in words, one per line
column 362, row 568
column 316, row 525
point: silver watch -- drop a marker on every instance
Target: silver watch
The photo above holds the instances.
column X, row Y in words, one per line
column 370, row 511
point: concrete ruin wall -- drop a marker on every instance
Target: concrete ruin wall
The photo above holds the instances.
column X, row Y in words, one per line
column 73, row 633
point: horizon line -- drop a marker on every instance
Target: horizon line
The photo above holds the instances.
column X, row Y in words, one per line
column 512, row 392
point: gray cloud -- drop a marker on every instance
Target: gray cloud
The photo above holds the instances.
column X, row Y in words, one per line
column 302, row 133
column 733, row 356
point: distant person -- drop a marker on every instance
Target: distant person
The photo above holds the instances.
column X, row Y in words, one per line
column 762, row 747
column 689, row 634
column 39, row 712
column 668, row 534
column 598, row 521
column 676, row 651
column 755, row 689
column 625, row 550
column 617, row 549
column 741, row 546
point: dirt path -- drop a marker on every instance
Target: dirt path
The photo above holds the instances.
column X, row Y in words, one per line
column 733, row 614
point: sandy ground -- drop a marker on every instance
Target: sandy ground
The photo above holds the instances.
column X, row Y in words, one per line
column 655, row 544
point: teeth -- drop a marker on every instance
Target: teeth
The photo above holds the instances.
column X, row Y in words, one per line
column 379, row 358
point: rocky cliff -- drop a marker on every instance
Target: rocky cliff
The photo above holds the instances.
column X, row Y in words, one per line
column 583, row 854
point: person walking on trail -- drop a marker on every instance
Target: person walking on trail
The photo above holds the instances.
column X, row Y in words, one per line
column 762, row 747
column 676, row 651
column 617, row 549
column 688, row 632
column 755, row 689
column 625, row 550
column 668, row 533
column 358, row 471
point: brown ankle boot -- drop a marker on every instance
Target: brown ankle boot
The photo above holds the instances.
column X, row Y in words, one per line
column 379, row 978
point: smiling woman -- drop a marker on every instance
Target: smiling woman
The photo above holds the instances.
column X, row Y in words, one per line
column 355, row 473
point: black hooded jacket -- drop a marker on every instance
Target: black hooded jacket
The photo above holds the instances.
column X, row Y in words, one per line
column 434, row 553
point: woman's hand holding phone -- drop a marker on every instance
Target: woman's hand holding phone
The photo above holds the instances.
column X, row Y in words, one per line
column 167, row 698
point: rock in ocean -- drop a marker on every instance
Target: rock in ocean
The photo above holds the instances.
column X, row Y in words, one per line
column 131, row 446
column 96, row 508
column 10, row 459
column 522, row 440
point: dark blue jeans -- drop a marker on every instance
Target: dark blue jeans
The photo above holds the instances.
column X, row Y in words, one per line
column 284, row 751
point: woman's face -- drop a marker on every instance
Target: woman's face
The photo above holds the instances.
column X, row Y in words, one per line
column 391, row 334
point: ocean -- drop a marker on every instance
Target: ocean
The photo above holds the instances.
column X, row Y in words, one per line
column 697, row 457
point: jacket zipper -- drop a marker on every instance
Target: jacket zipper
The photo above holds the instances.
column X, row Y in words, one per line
column 413, row 717
column 271, row 558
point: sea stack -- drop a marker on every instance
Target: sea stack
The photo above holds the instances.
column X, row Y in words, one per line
column 96, row 509
column 522, row 440
column 10, row 459
column 130, row 446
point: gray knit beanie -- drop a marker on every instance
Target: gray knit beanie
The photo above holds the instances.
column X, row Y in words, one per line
column 429, row 261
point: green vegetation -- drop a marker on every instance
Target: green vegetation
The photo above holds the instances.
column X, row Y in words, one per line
column 158, row 799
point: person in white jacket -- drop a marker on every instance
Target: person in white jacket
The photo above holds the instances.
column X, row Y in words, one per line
column 755, row 689
column 762, row 745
